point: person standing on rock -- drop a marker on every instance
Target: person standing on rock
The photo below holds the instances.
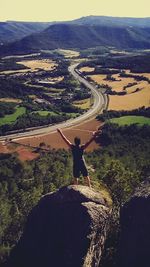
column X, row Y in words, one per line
column 79, row 165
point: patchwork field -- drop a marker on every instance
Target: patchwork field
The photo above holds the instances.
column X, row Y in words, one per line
column 127, row 120
column 130, row 101
column 33, row 65
column 133, row 99
column 116, row 85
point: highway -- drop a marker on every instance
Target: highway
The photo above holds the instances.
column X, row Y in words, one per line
column 99, row 103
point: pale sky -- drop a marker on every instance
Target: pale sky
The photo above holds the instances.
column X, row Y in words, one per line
column 57, row 10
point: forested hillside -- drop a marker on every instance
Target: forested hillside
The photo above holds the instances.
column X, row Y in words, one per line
column 81, row 36
column 11, row 31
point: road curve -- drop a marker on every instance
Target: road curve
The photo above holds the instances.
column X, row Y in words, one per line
column 99, row 105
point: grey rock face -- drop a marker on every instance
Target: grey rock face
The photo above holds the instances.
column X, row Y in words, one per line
column 135, row 229
column 67, row 229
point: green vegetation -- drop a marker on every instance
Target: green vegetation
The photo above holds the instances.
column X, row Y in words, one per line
column 121, row 164
column 52, row 103
column 45, row 113
column 127, row 120
column 135, row 63
column 11, row 64
column 9, row 119
column 72, row 36
column 6, row 108
column 108, row 115
column 22, row 185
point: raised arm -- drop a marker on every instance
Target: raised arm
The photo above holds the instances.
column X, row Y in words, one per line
column 64, row 138
column 91, row 139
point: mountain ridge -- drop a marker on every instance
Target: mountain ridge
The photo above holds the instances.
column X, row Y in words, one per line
column 68, row 36
column 14, row 30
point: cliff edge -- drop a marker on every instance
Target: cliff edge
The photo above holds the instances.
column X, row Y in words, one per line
column 67, row 228
column 135, row 229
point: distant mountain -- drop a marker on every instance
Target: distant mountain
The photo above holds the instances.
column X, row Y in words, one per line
column 81, row 36
column 113, row 21
column 11, row 31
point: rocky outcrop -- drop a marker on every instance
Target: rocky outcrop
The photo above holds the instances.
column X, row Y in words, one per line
column 135, row 229
column 67, row 228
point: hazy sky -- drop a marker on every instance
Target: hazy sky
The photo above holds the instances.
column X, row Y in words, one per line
column 51, row 10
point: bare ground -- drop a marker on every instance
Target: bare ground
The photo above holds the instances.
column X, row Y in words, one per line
column 84, row 131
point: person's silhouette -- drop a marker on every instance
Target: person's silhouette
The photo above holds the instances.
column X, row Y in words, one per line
column 79, row 165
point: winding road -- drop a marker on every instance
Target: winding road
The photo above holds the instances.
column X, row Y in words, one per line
column 100, row 103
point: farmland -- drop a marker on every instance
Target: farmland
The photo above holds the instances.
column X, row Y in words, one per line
column 83, row 104
column 68, row 53
column 131, row 101
column 55, row 141
column 135, row 93
column 50, row 93
column 43, row 87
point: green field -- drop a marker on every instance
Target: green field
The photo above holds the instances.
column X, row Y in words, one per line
column 8, row 119
column 127, row 120
column 45, row 112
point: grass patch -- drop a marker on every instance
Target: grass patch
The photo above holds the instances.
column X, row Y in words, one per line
column 45, row 113
column 127, row 120
column 8, row 119
column 73, row 115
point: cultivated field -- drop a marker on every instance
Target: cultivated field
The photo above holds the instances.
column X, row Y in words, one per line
column 34, row 65
column 83, row 104
column 11, row 100
column 133, row 99
column 117, row 86
column 16, row 72
column 84, row 131
column 88, row 69
column 68, row 53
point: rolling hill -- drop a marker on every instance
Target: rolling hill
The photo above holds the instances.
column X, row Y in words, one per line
column 113, row 21
column 79, row 36
column 11, row 31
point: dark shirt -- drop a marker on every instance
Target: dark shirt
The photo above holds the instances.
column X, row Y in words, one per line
column 77, row 153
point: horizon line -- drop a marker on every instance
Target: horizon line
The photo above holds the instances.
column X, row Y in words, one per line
column 40, row 21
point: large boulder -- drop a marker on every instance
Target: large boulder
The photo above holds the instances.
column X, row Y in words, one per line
column 135, row 229
column 67, row 228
